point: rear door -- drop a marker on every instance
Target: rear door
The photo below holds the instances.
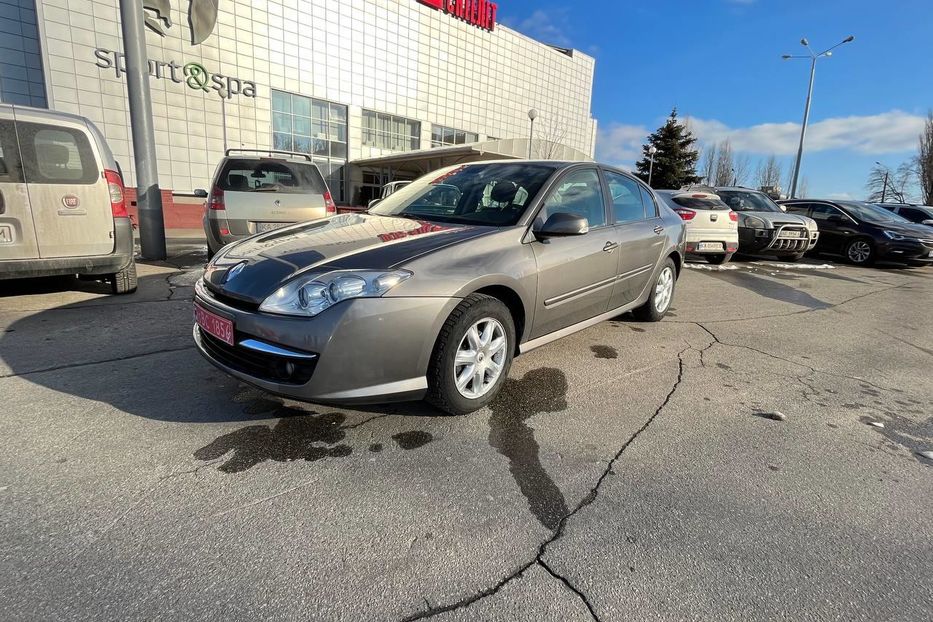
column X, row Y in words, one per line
column 639, row 234
column 575, row 273
column 67, row 191
column 17, row 233
column 264, row 193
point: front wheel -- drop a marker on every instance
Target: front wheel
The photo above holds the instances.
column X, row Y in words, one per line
column 472, row 356
column 794, row 258
column 718, row 259
column 860, row 252
column 659, row 300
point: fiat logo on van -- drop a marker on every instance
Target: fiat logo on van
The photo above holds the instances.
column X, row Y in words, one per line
column 71, row 201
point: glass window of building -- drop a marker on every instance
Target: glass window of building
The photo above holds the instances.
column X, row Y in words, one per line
column 443, row 136
column 21, row 77
column 386, row 131
column 314, row 126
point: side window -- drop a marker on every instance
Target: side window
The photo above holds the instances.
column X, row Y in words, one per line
column 54, row 155
column 798, row 208
column 821, row 213
column 627, row 203
column 912, row 214
column 651, row 207
column 577, row 193
column 10, row 170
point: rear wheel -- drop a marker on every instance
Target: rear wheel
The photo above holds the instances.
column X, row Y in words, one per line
column 794, row 257
column 860, row 252
column 124, row 281
column 719, row 258
column 472, row 356
column 662, row 293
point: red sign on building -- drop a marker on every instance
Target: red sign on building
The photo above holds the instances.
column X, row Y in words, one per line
column 480, row 13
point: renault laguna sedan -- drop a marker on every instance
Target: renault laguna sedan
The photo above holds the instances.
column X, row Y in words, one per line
column 433, row 291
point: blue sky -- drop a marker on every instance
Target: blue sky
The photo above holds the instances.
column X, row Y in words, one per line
column 719, row 62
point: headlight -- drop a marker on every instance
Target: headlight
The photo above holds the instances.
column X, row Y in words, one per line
column 896, row 236
column 753, row 222
column 312, row 294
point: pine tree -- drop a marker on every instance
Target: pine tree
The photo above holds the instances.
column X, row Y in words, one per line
column 676, row 159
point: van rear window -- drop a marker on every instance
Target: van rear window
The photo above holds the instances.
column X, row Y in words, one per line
column 56, row 155
column 261, row 175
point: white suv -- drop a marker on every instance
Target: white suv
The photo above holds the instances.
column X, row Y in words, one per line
column 712, row 228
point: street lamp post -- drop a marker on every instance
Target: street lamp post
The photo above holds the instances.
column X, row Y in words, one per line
column 813, row 57
column 224, row 94
column 532, row 115
column 651, row 151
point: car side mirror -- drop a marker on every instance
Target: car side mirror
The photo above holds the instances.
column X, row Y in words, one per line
column 562, row 224
column 928, row 222
column 373, row 203
column 200, row 193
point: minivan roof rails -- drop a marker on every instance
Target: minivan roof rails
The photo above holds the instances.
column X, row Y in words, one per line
column 270, row 152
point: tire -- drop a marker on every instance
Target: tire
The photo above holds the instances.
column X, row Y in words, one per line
column 443, row 392
column 124, row 281
column 718, row 259
column 650, row 311
column 793, row 258
column 861, row 252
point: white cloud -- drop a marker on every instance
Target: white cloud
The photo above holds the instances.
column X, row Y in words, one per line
column 618, row 143
column 887, row 132
column 540, row 25
column 841, row 196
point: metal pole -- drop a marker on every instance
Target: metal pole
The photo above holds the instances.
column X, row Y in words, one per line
column 803, row 130
column 531, row 137
column 223, row 112
column 650, row 170
column 884, row 189
column 148, row 194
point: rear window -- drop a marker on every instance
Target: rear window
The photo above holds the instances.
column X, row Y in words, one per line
column 693, row 203
column 55, row 155
column 262, row 175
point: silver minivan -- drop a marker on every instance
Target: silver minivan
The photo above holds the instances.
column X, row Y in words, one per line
column 259, row 190
column 62, row 201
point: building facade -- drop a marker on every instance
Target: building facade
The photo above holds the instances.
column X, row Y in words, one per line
column 343, row 80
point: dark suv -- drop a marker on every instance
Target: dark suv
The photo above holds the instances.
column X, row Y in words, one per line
column 864, row 232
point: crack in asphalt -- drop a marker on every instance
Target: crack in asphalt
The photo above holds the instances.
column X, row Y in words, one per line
column 86, row 363
column 570, row 587
column 588, row 499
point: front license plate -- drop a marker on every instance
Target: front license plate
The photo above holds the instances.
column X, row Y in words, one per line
column 791, row 234
column 270, row 226
column 220, row 327
column 709, row 246
column 931, row 254
column 6, row 234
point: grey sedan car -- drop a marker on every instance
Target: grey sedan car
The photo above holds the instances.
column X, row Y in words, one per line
column 431, row 293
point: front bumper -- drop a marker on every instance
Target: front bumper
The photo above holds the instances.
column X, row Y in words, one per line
column 774, row 242
column 906, row 250
column 367, row 350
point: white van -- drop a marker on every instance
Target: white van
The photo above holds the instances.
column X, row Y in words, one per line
column 62, row 204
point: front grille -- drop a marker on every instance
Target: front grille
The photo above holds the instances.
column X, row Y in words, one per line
column 260, row 365
column 791, row 244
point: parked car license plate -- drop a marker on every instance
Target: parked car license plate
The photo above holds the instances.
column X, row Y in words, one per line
column 6, row 234
column 270, row 226
column 219, row 327
column 709, row 246
column 791, row 234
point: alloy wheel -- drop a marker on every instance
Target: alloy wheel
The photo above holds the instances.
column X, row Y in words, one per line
column 480, row 358
column 859, row 251
column 664, row 290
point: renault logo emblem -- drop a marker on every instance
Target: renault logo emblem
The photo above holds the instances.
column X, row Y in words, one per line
column 234, row 271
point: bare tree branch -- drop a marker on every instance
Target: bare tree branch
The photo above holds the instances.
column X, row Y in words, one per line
column 743, row 169
column 924, row 164
column 724, row 164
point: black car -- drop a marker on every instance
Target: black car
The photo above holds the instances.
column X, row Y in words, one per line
column 920, row 214
column 864, row 232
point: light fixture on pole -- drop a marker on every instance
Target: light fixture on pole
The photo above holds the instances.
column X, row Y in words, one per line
column 813, row 57
column 532, row 115
column 651, row 151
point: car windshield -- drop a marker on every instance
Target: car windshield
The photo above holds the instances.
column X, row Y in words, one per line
column 482, row 194
column 871, row 213
column 266, row 175
column 748, row 201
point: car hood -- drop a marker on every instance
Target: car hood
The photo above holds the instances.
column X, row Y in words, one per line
column 253, row 269
column 775, row 219
column 922, row 232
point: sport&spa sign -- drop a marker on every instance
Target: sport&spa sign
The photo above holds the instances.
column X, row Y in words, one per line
column 194, row 75
column 480, row 13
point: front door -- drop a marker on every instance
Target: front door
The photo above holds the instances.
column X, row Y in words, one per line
column 17, row 233
column 639, row 233
column 836, row 228
column 68, row 194
column 575, row 273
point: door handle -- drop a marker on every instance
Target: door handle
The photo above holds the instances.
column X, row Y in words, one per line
column 659, row 229
column 609, row 247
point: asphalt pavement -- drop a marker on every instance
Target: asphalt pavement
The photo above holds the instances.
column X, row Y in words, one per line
column 629, row 472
